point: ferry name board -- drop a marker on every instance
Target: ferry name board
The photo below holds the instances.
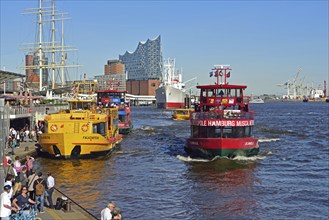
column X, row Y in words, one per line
column 222, row 123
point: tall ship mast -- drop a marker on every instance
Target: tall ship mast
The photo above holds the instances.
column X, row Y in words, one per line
column 46, row 56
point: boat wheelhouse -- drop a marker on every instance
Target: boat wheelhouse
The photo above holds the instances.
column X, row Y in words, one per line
column 222, row 124
column 117, row 98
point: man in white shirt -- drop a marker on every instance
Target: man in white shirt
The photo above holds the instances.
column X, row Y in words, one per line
column 106, row 213
column 50, row 190
column 5, row 204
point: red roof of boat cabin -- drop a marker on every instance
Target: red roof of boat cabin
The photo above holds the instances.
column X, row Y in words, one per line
column 222, row 86
column 112, row 90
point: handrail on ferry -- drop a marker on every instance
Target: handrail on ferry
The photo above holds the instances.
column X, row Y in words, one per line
column 222, row 114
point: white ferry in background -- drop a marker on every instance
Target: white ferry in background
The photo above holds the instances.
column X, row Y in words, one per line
column 171, row 92
column 256, row 101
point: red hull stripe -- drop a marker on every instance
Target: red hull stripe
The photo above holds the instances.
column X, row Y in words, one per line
column 223, row 143
column 174, row 104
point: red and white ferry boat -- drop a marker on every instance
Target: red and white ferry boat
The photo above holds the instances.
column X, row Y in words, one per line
column 115, row 97
column 222, row 124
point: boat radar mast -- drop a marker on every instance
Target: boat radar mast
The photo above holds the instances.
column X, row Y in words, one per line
column 220, row 71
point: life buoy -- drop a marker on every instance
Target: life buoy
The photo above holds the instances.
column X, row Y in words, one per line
column 84, row 127
column 53, row 127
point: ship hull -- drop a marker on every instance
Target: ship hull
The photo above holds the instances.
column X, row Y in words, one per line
column 125, row 128
column 125, row 124
column 72, row 146
column 169, row 97
column 223, row 147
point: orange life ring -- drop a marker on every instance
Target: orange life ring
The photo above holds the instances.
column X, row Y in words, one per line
column 53, row 127
column 84, row 127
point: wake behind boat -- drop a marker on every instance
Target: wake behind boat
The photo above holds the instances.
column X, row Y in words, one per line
column 222, row 124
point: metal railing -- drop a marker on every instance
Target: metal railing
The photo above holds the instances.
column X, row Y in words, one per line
column 223, row 115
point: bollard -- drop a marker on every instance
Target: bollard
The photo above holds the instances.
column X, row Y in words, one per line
column 67, row 206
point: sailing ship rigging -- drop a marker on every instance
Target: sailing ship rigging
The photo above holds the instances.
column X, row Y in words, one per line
column 44, row 50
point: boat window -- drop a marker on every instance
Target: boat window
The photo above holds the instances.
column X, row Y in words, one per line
column 182, row 112
column 123, row 118
column 116, row 122
column 202, row 131
column 238, row 132
column 46, row 127
column 211, row 93
column 203, row 93
column 213, row 132
column 220, row 93
column 217, row 132
column 99, row 128
column 238, row 92
column 227, row 132
column 247, row 131
column 210, row 132
column 229, row 93
column 194, row 131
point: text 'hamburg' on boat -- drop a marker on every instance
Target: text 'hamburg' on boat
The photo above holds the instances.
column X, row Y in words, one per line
column 222, row 124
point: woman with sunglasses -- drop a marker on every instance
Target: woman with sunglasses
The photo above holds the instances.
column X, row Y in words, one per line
column 22, row 201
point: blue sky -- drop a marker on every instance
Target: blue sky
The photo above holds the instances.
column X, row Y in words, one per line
column 265, row 42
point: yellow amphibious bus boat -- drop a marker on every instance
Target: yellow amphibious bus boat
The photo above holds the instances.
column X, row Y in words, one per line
column 182, row 114
column 84, row 131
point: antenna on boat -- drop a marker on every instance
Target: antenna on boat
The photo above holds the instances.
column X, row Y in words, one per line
column 220, row 71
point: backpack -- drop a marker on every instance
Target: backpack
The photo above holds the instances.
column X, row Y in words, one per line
column 39, row 188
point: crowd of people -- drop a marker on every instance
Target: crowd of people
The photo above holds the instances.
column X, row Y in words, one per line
column 19, row 135
column 24, row 188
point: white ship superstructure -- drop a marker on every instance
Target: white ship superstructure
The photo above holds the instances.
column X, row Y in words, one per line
column 171, row 92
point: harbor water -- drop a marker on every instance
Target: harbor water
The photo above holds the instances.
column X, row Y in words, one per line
column 150, row 176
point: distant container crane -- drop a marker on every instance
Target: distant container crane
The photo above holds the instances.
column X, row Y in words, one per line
column 297, row 90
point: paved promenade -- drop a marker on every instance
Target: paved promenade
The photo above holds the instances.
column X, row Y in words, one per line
column 76, row 212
